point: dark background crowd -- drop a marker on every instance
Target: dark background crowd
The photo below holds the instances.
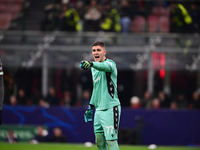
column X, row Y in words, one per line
column 126, row 16
column 41, row 135
column 132, row 16
column 71, row 87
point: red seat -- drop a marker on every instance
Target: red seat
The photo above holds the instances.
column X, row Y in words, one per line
column 156, row 10
column 4, row 1
column 166, row 11
column 14, row 10
column 20, row 2
column 160, row 10
column 5, row 20
column 3, row 7
column 164, row 25
column 152, row 23
column 138, row 24
column 11, row 1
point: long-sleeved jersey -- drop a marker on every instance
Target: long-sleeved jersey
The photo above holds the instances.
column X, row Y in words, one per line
column 104, row 76
column 1, row 86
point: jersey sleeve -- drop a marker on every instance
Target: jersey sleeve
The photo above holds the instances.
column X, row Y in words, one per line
column 106, row 66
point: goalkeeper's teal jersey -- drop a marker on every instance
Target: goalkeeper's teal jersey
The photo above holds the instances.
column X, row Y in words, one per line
column 104, row 76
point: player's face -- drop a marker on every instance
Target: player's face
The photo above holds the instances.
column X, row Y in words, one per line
column 98, row 53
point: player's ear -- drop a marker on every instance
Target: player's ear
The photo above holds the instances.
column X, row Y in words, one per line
column 105, row 51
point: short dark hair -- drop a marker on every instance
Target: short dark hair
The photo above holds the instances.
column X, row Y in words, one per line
column 98, row 43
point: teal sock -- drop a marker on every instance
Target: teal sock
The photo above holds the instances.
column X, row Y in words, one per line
column 101, row 141
column 113, row 145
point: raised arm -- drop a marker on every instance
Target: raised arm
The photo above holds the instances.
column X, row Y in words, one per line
column 105, row 66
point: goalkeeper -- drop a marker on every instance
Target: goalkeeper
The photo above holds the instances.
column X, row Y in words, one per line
column 1, row 89
column 104, row 98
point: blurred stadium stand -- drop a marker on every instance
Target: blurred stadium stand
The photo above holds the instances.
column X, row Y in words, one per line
column 131, row 52
column 127, row 47
column 138, row 24
column 149, row 58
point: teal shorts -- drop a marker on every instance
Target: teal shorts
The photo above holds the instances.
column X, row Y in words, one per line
column 107, row 122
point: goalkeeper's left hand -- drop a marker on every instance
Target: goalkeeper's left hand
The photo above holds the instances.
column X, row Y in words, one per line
column 88, row 114
column 85, row 64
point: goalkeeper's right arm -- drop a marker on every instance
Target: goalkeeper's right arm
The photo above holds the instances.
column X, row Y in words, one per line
column 106, row 66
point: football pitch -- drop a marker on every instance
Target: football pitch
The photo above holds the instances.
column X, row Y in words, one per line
column 48, row 146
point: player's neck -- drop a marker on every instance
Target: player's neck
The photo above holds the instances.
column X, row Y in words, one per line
column 104, row 59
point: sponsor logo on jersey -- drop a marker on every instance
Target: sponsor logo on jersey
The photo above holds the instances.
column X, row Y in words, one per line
column 97, row 79
column 109, row 63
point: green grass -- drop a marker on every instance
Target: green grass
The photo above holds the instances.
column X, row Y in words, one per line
column 48, row 146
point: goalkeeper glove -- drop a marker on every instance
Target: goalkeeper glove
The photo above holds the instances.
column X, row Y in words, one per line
column 85, row 64
column 0, row 117
column 88, row 114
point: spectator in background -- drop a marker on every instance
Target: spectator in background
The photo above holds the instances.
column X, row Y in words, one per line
column 140, row 10
column 146, row 100
column 174, row 26
column 126, row 14
column 58, row 137
column 160, row 8
column 43, row 103
column 67, row 98
column 72, row 2
column 52, row 97
column 180, row 19
column 85, row 80
column 69, row 83
column 51, row 19
column 155, row 103
column 93, row 16
column 81, row 11
column 173, row 105
column 181, row 101
column 21, row 97
column 69, row 19
column 62, row 15
column 110, row 19
column 11, row 137
column 85, row 98
column 41, row 135
column 195, row 14
column 13, row 100
column 135, row 102
column 36, row 96
column 195, row 104
column 23, row 80
column 164, row 100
